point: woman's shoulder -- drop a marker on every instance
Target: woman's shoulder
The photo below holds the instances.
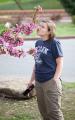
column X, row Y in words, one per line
column 39, row 41
column 56, row 41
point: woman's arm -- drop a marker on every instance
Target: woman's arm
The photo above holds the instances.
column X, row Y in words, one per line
column 59, row 62
column 32, row 80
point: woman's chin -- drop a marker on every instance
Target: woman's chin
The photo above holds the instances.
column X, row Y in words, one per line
column 40, row 35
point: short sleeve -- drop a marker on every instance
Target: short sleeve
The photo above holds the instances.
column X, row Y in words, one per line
column 57, row 49
column 36, row 44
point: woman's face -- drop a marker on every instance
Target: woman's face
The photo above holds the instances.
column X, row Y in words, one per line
column 42, row 29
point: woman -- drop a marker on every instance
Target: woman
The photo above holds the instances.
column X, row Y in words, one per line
column 47, row 72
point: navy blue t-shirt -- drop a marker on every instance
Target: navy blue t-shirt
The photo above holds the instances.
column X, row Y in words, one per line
column 45, row 59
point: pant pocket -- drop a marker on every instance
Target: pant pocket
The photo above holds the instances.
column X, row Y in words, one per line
column 58, row 85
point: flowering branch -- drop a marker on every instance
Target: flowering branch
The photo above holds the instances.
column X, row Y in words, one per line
column 11, row 38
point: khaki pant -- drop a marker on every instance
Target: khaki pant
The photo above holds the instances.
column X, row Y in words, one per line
column 49, row 99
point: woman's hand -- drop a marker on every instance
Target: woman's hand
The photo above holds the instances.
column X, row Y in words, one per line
column 39, row 8
column 32, row 51
column 30, row 84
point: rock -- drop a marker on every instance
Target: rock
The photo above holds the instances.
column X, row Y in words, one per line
column 14, row 87
column 10, row 93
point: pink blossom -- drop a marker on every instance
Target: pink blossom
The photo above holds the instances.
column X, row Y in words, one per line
column 10, row 39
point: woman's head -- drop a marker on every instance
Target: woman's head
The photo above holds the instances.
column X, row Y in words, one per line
column 46, row 29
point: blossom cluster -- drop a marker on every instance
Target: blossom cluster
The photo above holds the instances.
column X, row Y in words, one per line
column 13, row 37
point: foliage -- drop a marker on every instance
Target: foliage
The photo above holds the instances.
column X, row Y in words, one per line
column 73, row 19
column 2, row 28
column 30, row 4
column 69, row 6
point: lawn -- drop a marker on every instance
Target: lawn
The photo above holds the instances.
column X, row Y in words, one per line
column 30, row 4
column 28, row 110
column 4, row 1
column 65, row 29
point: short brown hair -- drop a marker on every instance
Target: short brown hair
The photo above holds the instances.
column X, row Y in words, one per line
column 51, row 27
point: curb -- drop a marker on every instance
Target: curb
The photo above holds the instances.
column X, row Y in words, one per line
column 66, row 37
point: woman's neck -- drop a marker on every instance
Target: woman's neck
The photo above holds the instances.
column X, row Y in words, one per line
column 45, row 38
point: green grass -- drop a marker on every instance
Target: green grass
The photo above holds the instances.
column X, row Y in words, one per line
column 30, row 4
column 18, row 117
column 69, row 85
column 65, row 29
column 68, row 101
column 18, row 110
column 4, row 1
column 28, row 110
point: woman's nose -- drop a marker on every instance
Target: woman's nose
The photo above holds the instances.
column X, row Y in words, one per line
column 38, row 28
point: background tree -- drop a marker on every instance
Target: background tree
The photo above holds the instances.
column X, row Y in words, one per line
column 69, row 6
column 18, row 3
